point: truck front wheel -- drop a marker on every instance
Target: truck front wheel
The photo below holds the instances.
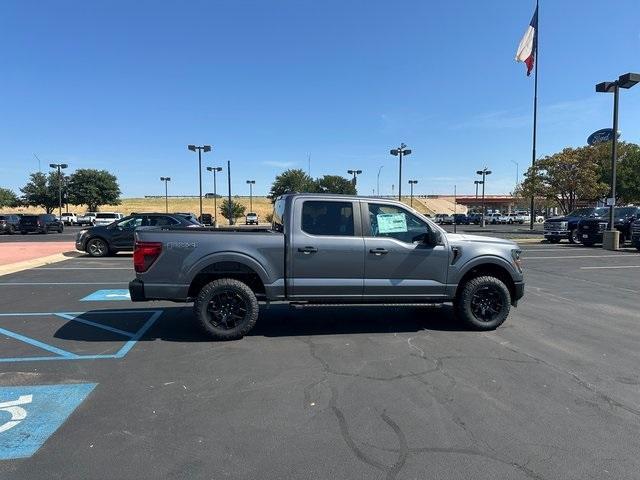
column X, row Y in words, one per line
column 483, row 303
column 226, row 309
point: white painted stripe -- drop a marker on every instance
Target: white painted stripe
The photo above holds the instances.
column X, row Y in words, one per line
column 61, row 283
column 575, row 256
column 599, row 268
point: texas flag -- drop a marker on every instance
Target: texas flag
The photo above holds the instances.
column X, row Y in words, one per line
column 529, row 44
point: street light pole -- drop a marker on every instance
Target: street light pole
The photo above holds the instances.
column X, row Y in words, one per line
column 215, row 194
column 166, row 193
column 251, row 184
column 627, row 80
column 412, row 183
column 484, row 172
column 355, row 174
column 477, row 182
column 59, row 166
column 200, row 149
column 378, row 180
column 400, row 152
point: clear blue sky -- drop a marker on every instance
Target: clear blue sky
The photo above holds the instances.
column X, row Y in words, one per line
column 126, row 85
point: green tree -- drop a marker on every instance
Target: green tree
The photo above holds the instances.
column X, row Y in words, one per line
column 628, row 169
column 335, row 184
column 291, row 181
column 41, row 191
column 93, row 188
column 237, row 209
column 565, row 177
column 8, row 198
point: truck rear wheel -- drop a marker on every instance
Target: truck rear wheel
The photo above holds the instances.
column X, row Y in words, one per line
column 226, row 309
column 483, row 303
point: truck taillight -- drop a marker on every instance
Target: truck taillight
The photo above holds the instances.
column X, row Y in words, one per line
column 144, row 254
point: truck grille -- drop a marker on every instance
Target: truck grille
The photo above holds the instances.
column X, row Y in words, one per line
column 555, row 226
column 635, row 229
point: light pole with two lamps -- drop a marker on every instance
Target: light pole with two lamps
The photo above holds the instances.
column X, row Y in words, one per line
column 215, row 194
column 251, row 183
column 59, row 166
column 400, row 152
column 355, row 174
column 484, row 172
column 200, row 149
column 611, row 237
column 412, row 183
column 166, row 180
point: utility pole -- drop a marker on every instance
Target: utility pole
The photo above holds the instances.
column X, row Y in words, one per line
column 229, row 206
column 355, row 174
column 378, row 180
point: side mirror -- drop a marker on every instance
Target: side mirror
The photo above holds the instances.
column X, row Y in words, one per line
column 432, row 237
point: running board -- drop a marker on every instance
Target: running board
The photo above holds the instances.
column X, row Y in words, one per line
column 319, row 305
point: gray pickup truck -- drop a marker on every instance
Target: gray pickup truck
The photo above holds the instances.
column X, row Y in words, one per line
column 327, row 249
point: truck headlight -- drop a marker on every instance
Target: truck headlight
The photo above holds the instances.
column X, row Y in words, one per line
column 516, row 255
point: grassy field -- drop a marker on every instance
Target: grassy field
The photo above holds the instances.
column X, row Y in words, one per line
column 261, row 205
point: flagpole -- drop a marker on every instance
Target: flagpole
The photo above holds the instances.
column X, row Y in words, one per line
column 535, row 118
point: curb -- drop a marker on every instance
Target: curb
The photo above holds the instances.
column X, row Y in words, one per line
column 36, row 262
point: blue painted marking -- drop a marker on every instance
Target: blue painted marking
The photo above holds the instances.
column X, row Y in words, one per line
column 107, row 295
column 29, row 415
column 68, row 316
column 37, row 343
column 73, row 316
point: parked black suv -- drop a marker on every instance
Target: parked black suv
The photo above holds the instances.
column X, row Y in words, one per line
column 590, row 229
column 43, row 223
column 104, row 240
column 558, row 228
column 9, row 223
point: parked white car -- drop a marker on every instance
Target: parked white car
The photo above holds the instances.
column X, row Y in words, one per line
column 69, row 219
column 492, row 218
column 107, row 218
column 88, row 218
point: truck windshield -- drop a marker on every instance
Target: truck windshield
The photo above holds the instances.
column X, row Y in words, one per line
column 588, row 212
column 278, row 215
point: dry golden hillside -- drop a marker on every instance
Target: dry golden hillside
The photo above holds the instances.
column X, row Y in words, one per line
column 261, row 205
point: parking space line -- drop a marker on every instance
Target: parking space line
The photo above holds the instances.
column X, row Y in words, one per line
column 599, row 268
column 574, row 256
column 19, row 284
column 68, row 316
column 129, row 345
column 36, row 343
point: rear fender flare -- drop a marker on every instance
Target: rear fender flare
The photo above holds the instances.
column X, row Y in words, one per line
column 218, row 257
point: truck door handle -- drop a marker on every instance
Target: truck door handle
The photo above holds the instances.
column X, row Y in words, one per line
column 379, row 251
column 307, row 250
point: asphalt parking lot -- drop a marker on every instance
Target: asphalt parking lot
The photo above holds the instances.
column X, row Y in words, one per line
column 323, row 393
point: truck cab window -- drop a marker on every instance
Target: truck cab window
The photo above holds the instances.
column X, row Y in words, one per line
column 327, row 218
column 394, row 222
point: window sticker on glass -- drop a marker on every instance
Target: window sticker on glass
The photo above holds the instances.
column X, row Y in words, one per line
column 392, row 222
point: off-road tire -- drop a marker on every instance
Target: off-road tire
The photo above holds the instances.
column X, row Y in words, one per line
column 237, row 292
column 464, row 302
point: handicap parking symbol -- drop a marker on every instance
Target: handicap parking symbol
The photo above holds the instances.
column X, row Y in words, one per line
column 107, row 295
column 29, row 415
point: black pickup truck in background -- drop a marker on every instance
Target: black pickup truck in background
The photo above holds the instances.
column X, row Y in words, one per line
column 591, row 229
column 635, row 234
column 559, row 228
